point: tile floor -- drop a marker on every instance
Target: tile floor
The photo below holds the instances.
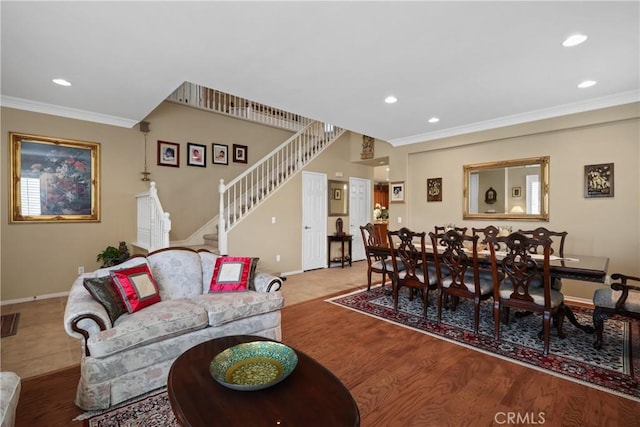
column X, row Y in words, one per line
column 41, row 345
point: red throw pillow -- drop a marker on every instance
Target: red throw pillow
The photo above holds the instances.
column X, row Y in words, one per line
column 136, row 286
column 231, row 274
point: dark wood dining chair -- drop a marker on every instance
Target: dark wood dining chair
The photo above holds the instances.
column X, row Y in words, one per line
column 441, row 229
column 520, row 270
column 417, row 275
column 458, row 274
column 557, row 246
column 484, row 233
column 375, row 263
column 622, row 298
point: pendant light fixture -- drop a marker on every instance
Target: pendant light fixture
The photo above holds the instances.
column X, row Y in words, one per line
column 144, row 128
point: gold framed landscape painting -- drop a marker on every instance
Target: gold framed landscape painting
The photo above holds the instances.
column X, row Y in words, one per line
column 53, row 179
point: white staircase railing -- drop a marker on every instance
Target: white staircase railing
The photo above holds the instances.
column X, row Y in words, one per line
column 223, row 103
column 256, row 184
column 153, row 222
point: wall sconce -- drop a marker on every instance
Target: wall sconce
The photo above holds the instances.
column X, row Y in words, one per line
column 144, row 128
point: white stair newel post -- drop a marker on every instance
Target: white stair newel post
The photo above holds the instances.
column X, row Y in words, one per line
column 222, row 229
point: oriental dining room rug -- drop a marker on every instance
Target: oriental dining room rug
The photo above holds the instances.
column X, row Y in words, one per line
column 9, row 324
column 615, row 368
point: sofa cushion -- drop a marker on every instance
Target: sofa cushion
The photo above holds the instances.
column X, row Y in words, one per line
column 224, row 307
column 160, row 321
column 103, row 290
column 137, row 287
column 231, row 274
column 178, row 272
column 252, row 274
column 10, row 386
column 208, row 262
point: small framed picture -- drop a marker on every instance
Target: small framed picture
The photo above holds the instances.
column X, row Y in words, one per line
column 434, row 189
column 337, row 194
column 396, row 192
column 168, row 154
column 516, row 192
column 239, row 153
column 598, row 180
column 220, row 154
column 196, row 155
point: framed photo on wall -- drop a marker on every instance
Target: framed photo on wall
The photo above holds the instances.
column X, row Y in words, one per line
column 196, row 155
column 434, row 189
column 168, row 154
column 220, row 154
column 396, row 192
column 516, row 192
column 598, row 180
column 53, row 179
column 240, row 153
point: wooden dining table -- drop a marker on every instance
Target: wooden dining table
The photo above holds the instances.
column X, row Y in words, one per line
column 586, row 268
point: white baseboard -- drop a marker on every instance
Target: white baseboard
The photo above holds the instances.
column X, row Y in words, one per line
column 34, row 298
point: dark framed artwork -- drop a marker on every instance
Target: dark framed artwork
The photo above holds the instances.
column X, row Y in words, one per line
column 53, row 179
column 516, row 192
column 168, row 154
column 196, row 155
column 240, row 153
column 434, row 189
column 337, row 194
column 220, row 154
column 598, row 180
column 396, row 192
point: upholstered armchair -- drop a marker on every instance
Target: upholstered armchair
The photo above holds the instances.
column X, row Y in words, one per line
column 621, row 298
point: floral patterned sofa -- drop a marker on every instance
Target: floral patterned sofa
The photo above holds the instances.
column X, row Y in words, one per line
column 129, row 353
column 9, row 394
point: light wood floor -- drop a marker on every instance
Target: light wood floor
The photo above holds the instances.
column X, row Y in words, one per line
column 41, row 344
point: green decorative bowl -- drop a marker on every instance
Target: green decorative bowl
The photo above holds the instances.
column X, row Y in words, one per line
column 254, row 365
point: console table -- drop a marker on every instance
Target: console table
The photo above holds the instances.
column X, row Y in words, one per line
column 342, row 239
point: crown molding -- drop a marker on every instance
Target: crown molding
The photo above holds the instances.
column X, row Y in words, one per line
column 531, row 116
column 71, row 113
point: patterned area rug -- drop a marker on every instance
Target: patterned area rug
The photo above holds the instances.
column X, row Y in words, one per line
column 610, row 369
column 153, row 410
column 9, row 324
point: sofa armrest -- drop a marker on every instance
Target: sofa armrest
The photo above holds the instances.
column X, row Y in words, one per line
column 84, row 315
column 265, row 282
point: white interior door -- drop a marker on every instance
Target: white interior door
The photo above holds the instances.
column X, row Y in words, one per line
column 360, row 208
column 314, row 220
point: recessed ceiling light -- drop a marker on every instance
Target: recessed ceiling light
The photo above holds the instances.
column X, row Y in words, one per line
column 587, row 83
column 434, row 120
column 61, row 82
column 574, row 40
column 391, row 99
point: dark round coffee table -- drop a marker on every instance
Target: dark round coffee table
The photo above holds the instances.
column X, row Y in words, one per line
column 310, row 396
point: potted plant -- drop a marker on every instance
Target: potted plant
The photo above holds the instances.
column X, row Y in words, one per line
column 109, row 257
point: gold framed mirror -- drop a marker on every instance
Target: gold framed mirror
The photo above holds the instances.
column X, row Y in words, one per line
column 509, row 189
column 338, row 198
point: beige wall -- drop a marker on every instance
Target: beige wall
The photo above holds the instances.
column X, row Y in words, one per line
column 596, row 226
column 188, row 193
column 42, row 259
column 257, row 236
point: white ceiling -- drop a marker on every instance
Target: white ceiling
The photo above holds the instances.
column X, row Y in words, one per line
column 475, row 65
